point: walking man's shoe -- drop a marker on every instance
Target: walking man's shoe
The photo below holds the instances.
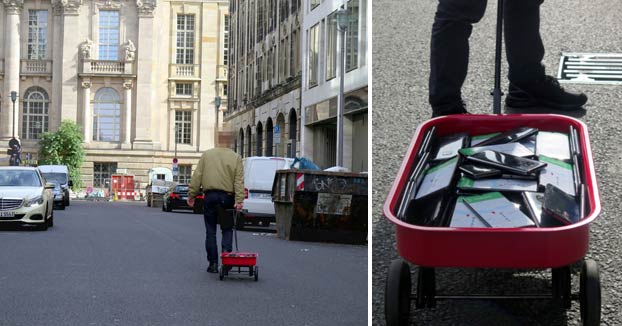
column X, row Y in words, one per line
column 543, row 93
column 448, row 109
column 213, row 268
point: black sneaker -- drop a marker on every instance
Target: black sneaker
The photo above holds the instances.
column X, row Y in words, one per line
column 213, row 268
column 448, row 109
column 546, row 92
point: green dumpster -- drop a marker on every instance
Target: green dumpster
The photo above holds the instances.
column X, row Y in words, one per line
column 325, row 206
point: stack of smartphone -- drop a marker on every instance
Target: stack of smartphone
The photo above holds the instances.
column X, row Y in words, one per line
column 523, row 177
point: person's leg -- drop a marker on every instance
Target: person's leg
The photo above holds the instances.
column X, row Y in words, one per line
column 227, row 234
column 529, row 86
column 449, row 52
column 209, row 216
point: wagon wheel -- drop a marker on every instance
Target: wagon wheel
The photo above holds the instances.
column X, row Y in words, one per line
column 561, row 283
column 589, row 296
column 256, row 273
column 397, row 294
column 426, row 288
column 221, row 272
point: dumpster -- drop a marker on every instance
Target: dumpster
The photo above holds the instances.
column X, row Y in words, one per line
column 315, row 205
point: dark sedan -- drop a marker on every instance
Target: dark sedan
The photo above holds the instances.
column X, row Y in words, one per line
column 175, row 198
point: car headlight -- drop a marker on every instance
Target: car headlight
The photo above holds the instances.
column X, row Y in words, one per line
column 34, row 201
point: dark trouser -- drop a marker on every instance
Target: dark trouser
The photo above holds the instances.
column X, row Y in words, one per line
column 449, row 55
column 210, row 216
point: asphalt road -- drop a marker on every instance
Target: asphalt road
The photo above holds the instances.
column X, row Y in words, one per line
column 126, row 264
column 401, row 37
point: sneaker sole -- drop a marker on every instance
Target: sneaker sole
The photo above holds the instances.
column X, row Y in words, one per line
column 518, row 102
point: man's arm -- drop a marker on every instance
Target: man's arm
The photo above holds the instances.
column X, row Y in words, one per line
column 238, row 185
column 195, row 183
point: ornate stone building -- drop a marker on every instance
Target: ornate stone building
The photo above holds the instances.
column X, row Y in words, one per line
column 264, row 77
column 140, row 76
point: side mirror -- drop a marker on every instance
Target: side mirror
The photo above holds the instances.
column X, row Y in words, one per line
column 49, row 186
column 70, row 183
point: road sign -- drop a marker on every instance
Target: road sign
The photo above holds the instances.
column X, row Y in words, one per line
column 174, row 160
column 175, row 170
column 276, row 135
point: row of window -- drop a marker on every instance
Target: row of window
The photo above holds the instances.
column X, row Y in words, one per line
column 106, row 116
column 108, row 36
column 330, row 45
column 102, row 172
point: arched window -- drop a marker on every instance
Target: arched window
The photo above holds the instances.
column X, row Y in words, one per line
column 269, row 137
column 293, row 124
column 106, row 115
column 240, row 141
column 249, row 146
column 35, row 113
column 259, row 143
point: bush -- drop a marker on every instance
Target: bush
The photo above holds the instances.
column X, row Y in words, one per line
column 64, row 147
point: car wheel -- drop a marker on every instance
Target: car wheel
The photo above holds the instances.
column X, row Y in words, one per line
column 67, row 201
column 62, row 206
column 169, row 208
column 148, row 201
column 51, row 221
column 164, row 206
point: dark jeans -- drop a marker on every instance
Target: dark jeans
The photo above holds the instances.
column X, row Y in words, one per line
column 213, row 198
column 449, row 55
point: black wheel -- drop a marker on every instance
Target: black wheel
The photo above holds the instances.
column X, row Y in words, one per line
column 251, row 272
column 67, row 201
column 589, row 297
column 561, row 283
column 51, row 219
column 148, row 201
column 256, row 273
column 397, row 294
column 426, row 288
column 164, row 207
column 221, row 273
column 169, row 208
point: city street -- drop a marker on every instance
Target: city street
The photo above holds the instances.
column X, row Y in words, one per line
column 401, row 37
column 122, row 263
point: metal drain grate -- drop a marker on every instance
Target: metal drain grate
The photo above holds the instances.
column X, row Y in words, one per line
column 590, row 68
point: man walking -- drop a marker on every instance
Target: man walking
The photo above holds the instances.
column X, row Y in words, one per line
column 220, row 174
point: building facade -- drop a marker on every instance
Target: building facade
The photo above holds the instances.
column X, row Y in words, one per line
column 320, row 83
column 265, row 77
column 140, row 77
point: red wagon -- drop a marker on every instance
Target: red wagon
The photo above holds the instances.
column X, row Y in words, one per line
column 430, row 247
column 238, row 262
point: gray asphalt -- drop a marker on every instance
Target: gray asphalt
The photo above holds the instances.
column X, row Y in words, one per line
column 401, row 36
column 127, row 264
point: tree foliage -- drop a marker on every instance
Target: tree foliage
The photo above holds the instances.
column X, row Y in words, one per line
column 64, row 147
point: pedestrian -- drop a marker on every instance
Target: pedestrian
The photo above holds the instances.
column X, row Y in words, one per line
column 449, row 57
column 220, row 174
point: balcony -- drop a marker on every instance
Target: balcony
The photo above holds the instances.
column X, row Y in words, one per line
column 36, row 68
column 221, row 73
column 106, row 68
column 184, row 71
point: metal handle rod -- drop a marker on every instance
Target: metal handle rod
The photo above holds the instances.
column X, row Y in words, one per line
column 235, row 228
column 496, row 93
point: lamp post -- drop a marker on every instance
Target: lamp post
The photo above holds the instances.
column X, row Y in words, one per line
column 13, row 99
column 342, row 25
column 217, row 102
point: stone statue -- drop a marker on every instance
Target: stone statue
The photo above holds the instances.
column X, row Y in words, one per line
column 86, row 48
column 130, row 51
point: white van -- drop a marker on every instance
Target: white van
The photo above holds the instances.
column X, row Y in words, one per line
column 259, row 174
column 58, row 174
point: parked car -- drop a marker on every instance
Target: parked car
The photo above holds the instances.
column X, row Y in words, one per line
column 259, row 174
column 60, row 175
column 176, row 196
column 59, row 196
column 25, row 198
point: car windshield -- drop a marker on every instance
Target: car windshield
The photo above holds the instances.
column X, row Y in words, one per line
column 55, row 177
column 19, row 178
column 181, row 189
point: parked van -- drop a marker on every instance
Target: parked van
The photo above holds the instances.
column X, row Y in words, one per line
column 58, row 174
column 259, row 174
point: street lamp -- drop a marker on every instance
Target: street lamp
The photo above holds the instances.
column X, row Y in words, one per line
column 217, row 102
column 342, row 24
column 13, row 99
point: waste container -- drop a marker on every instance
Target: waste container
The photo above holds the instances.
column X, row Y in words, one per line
column 320, row 206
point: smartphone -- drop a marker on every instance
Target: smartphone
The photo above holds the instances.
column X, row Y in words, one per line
column 448, row 147
column 427, row 140
column 510, row 136
column 561, row 205
column 506, row 162
column 478, row 172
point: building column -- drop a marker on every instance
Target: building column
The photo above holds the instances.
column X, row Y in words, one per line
column 13, row 9
column 145, row 67
column 87, row 113
column 57, row 67
column 70, row 58
column 127, row 85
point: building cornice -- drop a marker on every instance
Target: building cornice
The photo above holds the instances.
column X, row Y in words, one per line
column 13, row 7
column 67, row 7
column 146, row 7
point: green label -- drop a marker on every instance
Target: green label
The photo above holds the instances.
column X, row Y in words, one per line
column 559, row 163
column 465, row 182
column 486, row 136
column 483, row 197
column 438, row 167
column 466, row 151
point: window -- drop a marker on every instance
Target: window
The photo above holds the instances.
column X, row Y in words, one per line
column 37, row 34
column 184, row 174
column 331, row 46
column 183, row 127
column 108, row 35
column 102, row 173
column 260, row 20
column 183, row 89
column 314, row 46
column 35, row 119
column 225, row 46
column 185, row 39
column 352, row 38
column 106, row 115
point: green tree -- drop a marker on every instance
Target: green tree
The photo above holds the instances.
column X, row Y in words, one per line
column 64, row 147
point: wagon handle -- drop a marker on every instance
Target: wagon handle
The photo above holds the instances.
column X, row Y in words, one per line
column 496, row 93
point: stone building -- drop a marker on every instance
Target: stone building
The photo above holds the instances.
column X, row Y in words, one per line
column 139, row 76
column 264, row 77
column 320, row 83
